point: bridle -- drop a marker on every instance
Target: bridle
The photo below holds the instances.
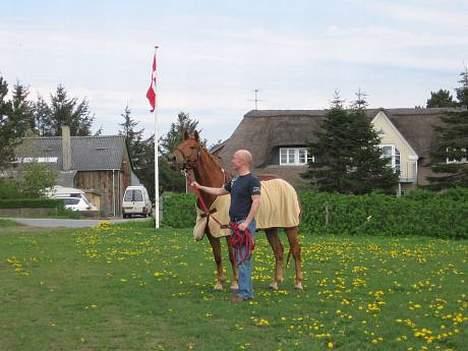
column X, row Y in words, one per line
column 189, row 162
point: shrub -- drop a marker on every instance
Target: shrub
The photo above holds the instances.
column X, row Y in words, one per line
column 9, row 189
column 32, row 203
column 421, row 213
column 179, row 210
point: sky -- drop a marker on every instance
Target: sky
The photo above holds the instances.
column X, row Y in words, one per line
column 213, row 54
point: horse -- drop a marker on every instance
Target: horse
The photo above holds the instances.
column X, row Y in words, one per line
column 197, row 162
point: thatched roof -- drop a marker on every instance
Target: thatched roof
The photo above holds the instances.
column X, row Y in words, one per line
column 261, row 131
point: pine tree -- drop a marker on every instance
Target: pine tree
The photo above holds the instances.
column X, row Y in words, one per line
column 169, row 179
column 7, row 136
column 61, row 111
column 462, row 91
column 441, row 98
column 176, row 132
column 22, row 110
column 449, row 156
column 134, row 141
column 370, row 171
column 347, row 157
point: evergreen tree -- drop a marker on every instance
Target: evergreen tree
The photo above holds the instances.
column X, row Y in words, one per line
column 462, row 91
column 441, row 98
column 22, row 110
column 449, row 157
column 7, row 135
column 134, row 141
column 176, row 132
column 347, row 157
column 169, row 179
column 63, row 110
column 41, row 117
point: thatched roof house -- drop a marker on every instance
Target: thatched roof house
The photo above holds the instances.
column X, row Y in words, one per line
column 278, row 140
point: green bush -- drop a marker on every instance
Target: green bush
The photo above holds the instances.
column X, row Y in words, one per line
column 9, row 189
column 179, row 210
column 442, row 215
column 32, row 203
column 421, row 213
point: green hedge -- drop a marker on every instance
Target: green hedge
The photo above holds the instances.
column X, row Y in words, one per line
column 425, row 213
column 420, row 213
column 31, row 203
column 178, row 210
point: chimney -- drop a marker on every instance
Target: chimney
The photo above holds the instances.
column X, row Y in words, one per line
column 66, row 149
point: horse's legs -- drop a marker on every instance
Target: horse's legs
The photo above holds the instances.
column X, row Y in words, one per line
column 296, row 252
column 216, row 247
column 235, row 273
column 278, row 251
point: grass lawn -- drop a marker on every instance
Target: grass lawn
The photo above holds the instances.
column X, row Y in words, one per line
column 128, row 288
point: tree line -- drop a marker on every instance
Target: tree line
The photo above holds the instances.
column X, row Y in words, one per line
column 347, row 156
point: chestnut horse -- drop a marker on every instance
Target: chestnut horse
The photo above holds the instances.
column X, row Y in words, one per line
column 191, row 156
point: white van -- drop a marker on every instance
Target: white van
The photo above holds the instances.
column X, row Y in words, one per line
column 136, row 201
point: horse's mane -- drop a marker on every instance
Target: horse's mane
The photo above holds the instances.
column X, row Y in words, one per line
column 214, row 158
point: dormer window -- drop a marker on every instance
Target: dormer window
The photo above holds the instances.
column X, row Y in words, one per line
column 456, row 155
column 293, row 156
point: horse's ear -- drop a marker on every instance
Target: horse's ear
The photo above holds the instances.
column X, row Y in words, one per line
column 197, row 137
column 186, row 135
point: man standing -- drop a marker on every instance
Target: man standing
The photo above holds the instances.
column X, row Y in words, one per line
column 245, row 200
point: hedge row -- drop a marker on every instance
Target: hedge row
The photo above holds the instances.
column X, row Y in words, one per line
column 178, row 210
column 424, row 213
column 420, row 213
column 31, row 203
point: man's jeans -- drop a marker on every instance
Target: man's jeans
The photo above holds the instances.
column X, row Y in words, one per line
column 245, row 269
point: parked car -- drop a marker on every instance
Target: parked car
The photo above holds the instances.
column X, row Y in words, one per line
column 69, row 195
column 77, row 203
column 136, row 201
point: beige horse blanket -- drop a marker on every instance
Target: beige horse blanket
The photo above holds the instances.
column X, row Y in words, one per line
column 279, row 207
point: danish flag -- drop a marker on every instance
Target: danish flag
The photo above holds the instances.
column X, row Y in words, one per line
column 151, row 93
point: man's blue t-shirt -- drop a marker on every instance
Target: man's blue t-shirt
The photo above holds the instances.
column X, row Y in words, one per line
column 242, row 188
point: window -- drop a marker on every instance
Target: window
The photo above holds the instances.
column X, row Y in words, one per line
column 71, row 201
column 456, row 155
column 294, row 156
column 391, row 153
column 133, row 195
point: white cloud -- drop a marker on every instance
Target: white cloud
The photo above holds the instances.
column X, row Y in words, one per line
column 209, row 66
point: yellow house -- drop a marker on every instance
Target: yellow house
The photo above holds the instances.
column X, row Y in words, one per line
column 402, row 157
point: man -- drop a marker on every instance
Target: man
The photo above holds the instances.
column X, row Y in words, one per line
column 245, row 200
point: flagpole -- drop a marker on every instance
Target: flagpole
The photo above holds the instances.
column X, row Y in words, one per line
column 156, row 159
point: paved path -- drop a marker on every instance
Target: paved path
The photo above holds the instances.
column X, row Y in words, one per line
column 67, row 223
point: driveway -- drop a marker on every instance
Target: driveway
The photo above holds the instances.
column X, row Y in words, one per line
column 67, row 223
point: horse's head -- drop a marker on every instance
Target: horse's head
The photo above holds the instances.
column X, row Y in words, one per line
column 187, row 153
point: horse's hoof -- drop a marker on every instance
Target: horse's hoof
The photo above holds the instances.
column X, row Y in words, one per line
column 274, row 285
column 218, row 286
column 299, row 286
column 234, row 286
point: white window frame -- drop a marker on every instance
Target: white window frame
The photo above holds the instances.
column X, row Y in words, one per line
column 293, row 152
column 451, row 160
column 393, row 156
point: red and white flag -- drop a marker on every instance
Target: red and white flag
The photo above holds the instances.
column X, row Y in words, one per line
column 151, row 93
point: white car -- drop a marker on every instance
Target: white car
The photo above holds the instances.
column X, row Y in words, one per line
column 136, row 201
column 77, row 203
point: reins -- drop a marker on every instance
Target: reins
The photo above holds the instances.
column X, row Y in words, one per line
column 206, row 211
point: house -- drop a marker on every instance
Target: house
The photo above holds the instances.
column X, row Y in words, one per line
column 279, row 139
column 99, row 165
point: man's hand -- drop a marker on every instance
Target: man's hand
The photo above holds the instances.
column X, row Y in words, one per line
column 195, row 185
column 243, row 226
